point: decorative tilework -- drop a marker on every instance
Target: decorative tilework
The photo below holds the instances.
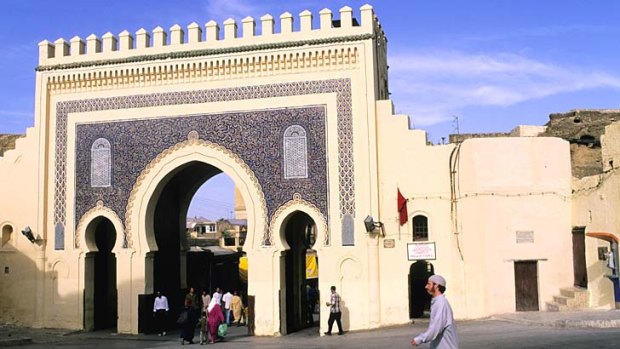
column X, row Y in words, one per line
column 100, row 163
column 342, row 88
column 253, row 136
column 295, row 152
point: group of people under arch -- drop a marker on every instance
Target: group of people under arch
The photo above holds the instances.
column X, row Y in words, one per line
column 212, row 314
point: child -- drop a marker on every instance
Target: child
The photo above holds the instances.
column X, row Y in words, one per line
column 204, row 328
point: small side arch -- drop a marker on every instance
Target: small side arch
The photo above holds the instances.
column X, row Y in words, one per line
column 85, row 231
column 279, row 218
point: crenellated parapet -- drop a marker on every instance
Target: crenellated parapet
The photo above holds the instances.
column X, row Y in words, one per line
column 195, row 41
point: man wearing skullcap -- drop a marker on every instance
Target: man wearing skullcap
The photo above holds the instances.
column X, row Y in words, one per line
column 441, row 332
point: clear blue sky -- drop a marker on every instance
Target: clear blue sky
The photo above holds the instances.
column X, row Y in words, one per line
column 495, row 64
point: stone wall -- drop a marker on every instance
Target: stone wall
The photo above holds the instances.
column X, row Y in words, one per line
column 7, row 142
column 583, row 130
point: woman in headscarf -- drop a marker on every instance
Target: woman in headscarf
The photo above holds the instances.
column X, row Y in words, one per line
column 189, row 325
column 216, row 317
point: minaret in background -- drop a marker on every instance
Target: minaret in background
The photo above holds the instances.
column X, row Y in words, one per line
column 240, row 212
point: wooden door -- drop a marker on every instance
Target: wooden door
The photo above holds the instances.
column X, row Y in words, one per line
column 526, row 285
column 579, row 257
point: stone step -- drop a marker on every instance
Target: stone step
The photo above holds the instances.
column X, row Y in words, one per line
column 553, row 306
column 572, row 303
column 579, row 295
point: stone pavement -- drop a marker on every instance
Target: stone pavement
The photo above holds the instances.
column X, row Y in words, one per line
column 16, row 336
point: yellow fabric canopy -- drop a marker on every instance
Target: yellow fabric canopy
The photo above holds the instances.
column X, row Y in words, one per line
column 312, row 268
column 243, row 269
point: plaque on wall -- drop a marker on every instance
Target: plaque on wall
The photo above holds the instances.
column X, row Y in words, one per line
column 389, row 243
column 525, row 236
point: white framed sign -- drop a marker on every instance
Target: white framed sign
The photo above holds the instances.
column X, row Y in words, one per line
column 421, row 250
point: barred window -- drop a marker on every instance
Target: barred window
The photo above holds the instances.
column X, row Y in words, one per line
column 420, row 228
column 295, row 153
column 101, row 163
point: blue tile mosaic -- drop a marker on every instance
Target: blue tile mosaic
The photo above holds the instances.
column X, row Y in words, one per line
column 256, row 137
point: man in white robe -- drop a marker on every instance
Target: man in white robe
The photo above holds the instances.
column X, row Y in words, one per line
column 441, row 332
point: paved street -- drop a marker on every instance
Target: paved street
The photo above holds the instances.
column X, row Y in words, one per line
column 474, row 334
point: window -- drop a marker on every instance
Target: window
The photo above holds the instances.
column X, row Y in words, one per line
column 420, row 228
column 295, row 153
column 100, row 163
column 7, row 231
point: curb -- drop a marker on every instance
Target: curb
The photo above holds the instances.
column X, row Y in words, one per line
column 563, row 323
column 15, row 342
column 588, row 323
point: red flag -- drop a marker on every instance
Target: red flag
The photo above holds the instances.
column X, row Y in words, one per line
column 402, row 208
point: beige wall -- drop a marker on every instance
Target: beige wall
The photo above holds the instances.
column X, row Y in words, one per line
column 19, row 259
column 496, row 196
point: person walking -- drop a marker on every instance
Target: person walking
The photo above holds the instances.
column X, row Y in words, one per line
column 215, row 318
column 441, row 332
column 188, row 322
column 203, row 323
column 227, row 298
column 334, row 312
column 311, row 298
column 217, row 295
column 236, row 307
column 160, row 312
column 192, row 297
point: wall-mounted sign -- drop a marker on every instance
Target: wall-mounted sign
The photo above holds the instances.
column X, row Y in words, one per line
column 420, row 250
column 389, row 243
column 525, row 236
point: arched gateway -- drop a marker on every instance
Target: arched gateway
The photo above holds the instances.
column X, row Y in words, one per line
column 158, row 204
column 141, row 147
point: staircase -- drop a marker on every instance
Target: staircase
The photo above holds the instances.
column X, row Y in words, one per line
column 570, row 298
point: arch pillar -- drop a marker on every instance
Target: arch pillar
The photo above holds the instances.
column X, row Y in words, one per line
column 126, row 319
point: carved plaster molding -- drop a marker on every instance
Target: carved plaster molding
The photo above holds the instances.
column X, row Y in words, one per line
column 167, row 73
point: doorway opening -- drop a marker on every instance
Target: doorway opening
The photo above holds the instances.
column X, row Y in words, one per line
column 192, row 253
column 101, row 297
column 301, row 274
column 579, row 257
column 526, row 285
column 419, row 299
